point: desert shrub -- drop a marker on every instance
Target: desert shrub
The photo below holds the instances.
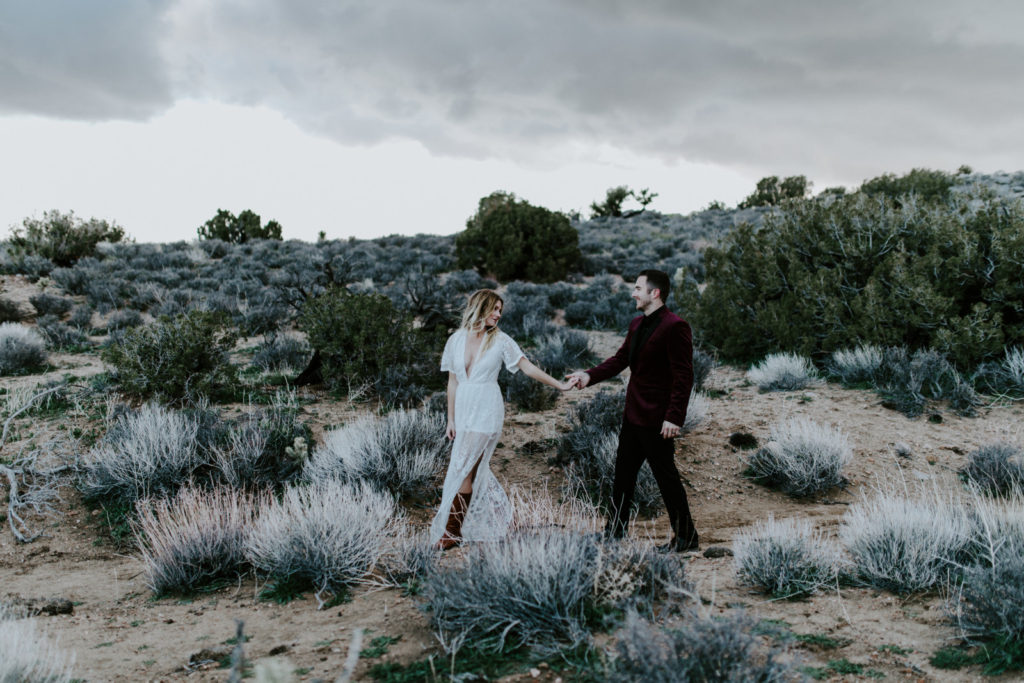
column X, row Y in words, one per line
column 527, row 395
column 327, row 536
column 10, row 312
column 195, row 538
column 1005, row 376
column 58, row 335
column 50, row 304
column 61, row 238
column 856, row 366
column 81, row 317
column 786, row 558
column 176, row 359
column 987, row 600
column 22, row 349
column 265, row 448
column 701, row 649
column 362, row 336
column 905, row 545
column 590, row 476
column 801, row 458
column 27, row 655
column 907, row 381
column 124, row 319
column 281, row 353
column 604, row 304
column 410, row 558
column 227, row 227
column 859, row 267
column 925, row 184
column 147, row 453
column 996, row 468
column 74, row 280
column 263, row 318
column 783, row 372
column 696, row 411
column 529, row 589
column 513, row 240
column 563, row 350
column 527, row 317
column 703, row 365
column 589, row 421
column 401, row 452
column 770, row 191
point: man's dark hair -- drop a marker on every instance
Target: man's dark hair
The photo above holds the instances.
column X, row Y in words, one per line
column 658, row 279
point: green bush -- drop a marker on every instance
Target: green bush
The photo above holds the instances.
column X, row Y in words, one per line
column 245, row 226
column 176, row 359
column 923, row 183
column 61, row 237
column 514, row 240
column 363, row 339
column 868, row 270
column 771, row 191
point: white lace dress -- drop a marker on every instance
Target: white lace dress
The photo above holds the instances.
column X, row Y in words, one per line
column 479, row 415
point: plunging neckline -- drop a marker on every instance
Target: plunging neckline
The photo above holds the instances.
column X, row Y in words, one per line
column 468, row 369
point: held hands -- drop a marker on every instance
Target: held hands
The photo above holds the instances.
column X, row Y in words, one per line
column 450, row 431
column 578, row 379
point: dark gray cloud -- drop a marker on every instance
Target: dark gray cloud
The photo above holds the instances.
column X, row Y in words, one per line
column 842, row 90
column 83, row 60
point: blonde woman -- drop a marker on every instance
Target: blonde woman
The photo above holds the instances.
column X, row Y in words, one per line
column 474, row 507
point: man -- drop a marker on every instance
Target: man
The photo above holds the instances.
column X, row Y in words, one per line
column 658, row 350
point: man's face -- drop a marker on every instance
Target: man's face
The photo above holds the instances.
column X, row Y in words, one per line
column 641, row 294
column 494, row 317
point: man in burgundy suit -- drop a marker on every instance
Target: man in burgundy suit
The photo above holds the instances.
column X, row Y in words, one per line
column 659, row 353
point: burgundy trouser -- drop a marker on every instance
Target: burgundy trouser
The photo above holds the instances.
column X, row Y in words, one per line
column 637, row 444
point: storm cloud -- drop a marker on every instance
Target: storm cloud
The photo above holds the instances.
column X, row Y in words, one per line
column 836, row 89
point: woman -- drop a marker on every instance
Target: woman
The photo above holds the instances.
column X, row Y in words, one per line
column 473, row 505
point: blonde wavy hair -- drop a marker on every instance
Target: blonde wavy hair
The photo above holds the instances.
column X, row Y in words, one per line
column 481, row 304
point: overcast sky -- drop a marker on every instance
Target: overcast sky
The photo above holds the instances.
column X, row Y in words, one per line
column 396, row 116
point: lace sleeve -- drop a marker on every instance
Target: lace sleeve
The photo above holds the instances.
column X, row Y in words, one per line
column 448, row 356
column 511, row 353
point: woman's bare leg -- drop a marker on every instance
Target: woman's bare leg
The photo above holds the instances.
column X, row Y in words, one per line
column 467, row 484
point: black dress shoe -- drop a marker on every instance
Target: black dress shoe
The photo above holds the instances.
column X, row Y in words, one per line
column 678, row 546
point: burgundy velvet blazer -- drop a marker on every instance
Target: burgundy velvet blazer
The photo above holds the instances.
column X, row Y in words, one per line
column 661, row 376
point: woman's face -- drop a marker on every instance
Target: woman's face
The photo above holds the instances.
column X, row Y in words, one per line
column 494, row 317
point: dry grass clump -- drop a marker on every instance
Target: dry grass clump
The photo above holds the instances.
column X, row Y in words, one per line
column 27, row 655
column 147, row 453
column 996, row 469
column 856, row 366
column 802, row 458
column 549, row 583
column 22, row 349
column 903, row 544
column 699, row 649
column 195, row 538
column 401, row 452
column 783, row 372
column 786, row 558
column 327, row 536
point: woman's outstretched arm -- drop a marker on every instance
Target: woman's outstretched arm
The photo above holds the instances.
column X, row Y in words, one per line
column 453, row 385
column 533, row 372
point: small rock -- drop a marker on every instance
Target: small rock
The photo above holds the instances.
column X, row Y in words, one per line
column 718, row 551
column 279, row 650
column 903, row 449
column 534, row 673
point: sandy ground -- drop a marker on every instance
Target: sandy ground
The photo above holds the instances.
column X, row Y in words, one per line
column 119, row 632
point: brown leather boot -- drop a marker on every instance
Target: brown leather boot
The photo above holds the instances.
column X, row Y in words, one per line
column 453, row 530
